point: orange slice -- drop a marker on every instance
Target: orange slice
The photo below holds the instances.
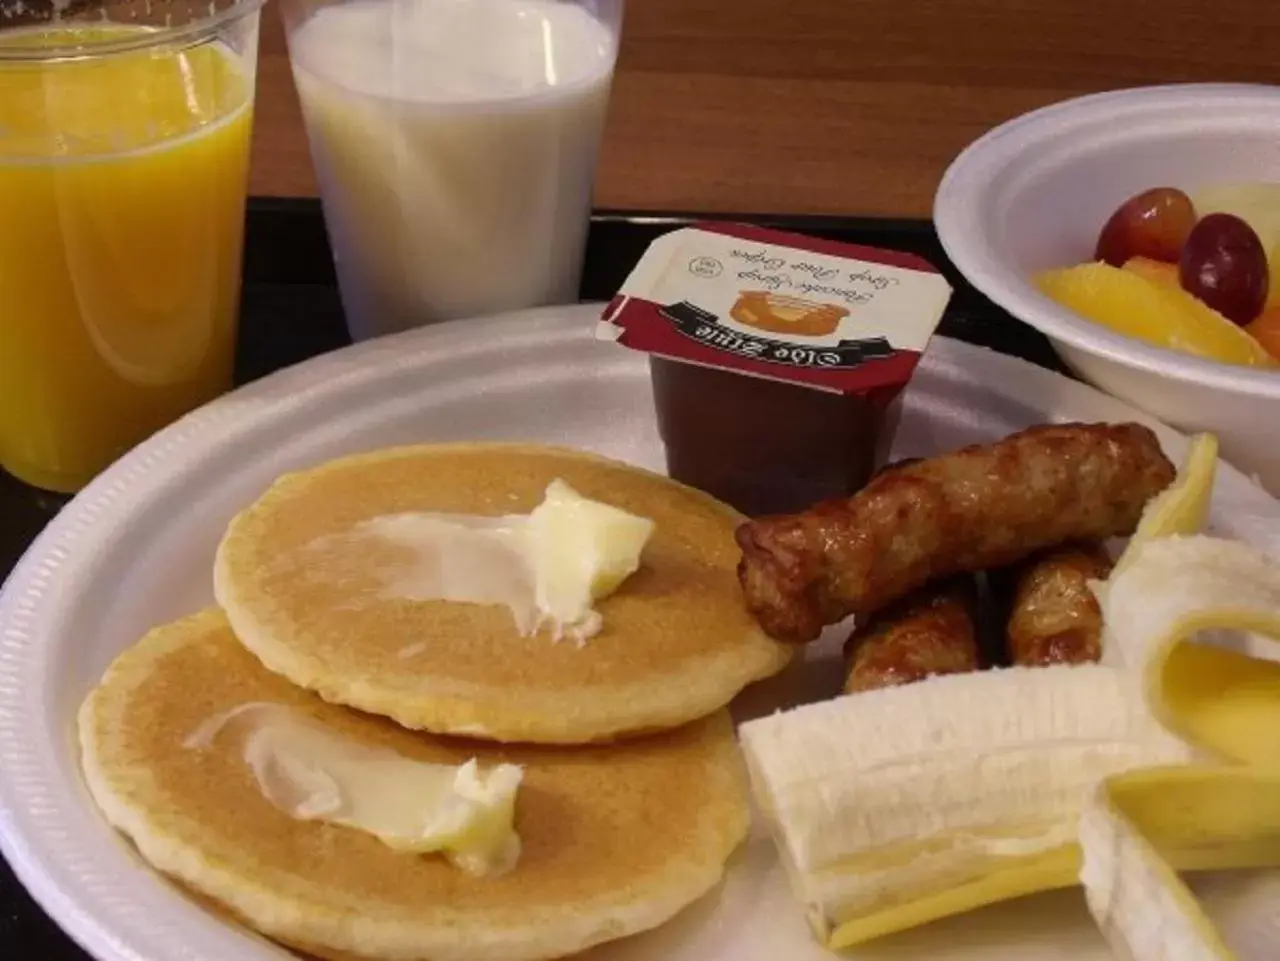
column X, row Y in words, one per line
column 1130, row 304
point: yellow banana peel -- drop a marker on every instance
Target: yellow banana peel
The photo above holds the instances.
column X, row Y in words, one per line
column 1183, row 507
column 1056, row 868
column 1142, row 827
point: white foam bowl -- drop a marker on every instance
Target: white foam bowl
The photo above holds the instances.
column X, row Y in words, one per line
column 1034, row 192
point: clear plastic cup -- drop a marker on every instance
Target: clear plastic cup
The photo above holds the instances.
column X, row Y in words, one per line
column 124, row 156
column 455, row 143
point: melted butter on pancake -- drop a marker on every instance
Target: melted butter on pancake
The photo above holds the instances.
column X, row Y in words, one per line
column 463, row 558
column 547, row 567
column 311, row 772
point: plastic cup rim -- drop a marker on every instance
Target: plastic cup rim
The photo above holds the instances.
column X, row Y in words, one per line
column 186, row 35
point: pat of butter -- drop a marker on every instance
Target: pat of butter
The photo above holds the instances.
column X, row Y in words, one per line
column 311, row 772
column 581, row 551
column 547, row 567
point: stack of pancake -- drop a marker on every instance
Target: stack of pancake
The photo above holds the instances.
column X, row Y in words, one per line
column 632, row 797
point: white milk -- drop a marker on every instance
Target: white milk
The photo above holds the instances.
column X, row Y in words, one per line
column 455, row 142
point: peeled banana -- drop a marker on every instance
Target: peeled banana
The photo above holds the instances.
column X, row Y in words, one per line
column 896, row 806
column 892, row 808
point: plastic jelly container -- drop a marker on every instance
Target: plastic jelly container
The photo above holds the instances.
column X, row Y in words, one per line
column 778, row 360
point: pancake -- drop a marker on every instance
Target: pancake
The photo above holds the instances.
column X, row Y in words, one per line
column 309, row 597
column 615, row 840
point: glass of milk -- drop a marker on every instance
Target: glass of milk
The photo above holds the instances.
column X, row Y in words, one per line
column 455, row 143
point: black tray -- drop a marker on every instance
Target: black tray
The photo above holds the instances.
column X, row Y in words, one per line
column 291, row 311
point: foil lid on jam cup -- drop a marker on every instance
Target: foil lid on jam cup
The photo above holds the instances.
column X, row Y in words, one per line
column 777, row 359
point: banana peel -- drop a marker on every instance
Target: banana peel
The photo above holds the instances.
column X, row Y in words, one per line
column 1051, row 870
column 1224, row 700
column 1142, row 827
column 1183, row 507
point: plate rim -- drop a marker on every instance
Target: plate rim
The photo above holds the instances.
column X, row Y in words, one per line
column 34, row 583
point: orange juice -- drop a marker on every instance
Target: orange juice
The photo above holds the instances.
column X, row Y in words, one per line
column 122, row 184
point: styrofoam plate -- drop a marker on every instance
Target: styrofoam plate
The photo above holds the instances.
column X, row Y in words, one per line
column 135, row 549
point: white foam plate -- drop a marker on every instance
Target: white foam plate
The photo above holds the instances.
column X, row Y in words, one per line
column 135, row 549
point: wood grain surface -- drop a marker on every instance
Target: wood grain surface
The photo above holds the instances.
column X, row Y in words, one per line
column 839, row 106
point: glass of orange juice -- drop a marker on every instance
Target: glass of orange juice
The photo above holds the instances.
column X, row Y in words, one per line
column 124, row 155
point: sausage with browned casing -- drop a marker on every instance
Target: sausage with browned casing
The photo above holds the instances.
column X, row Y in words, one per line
column 930, row 632
column 981, row 507
column 1054, row 617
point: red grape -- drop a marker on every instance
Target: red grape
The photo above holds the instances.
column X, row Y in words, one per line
column 1224, row 264
column 1153, row 224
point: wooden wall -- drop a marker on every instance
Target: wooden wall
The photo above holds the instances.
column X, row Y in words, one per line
column 840, row 106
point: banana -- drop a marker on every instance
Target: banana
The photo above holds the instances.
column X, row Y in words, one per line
column 886, row 799
column 893, row 808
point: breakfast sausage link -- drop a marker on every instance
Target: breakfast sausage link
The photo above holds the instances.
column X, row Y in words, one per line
column 1054, row 617
column 931, row 631
column 980, row 507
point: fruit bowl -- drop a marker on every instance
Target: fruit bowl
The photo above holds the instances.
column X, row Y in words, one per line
column 1032, row 195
